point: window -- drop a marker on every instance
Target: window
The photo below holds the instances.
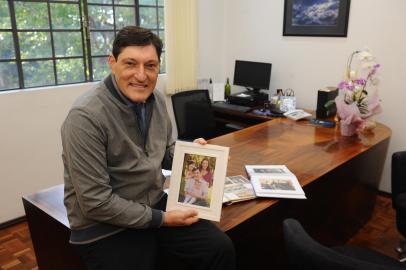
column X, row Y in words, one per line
column 58, row 42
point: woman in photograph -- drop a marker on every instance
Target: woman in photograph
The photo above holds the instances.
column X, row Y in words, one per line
column 206, row 171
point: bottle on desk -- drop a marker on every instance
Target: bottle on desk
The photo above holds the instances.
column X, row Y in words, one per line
column 227, row 89
column 210, row 89
column 276, row 99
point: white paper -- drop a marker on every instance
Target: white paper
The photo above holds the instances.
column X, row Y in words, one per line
column 218, row 92
column 166, row 173
column 297, row 114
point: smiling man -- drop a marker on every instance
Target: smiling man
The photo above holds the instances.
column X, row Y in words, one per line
column 136, row 70
column 116, row 139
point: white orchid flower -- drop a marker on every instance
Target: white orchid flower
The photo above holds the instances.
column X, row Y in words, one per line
column 360, row 77
column 368, row 65
column 353, row 75
column 357, row 88
column 365, row 56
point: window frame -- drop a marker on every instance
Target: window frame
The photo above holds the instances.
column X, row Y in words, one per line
column 84, row 28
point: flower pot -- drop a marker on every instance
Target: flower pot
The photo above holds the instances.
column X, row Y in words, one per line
column 369, row 125
column 347, row 129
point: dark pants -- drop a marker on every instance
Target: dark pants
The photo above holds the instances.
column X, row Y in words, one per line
column 199, row 246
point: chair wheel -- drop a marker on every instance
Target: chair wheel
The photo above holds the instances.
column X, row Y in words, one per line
column 399, row 250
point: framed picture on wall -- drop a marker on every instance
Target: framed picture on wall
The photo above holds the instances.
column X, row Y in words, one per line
column 197, row 179
column 316, row 18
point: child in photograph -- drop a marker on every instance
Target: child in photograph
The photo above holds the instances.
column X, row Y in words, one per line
column 196, row 189
column 191, row 164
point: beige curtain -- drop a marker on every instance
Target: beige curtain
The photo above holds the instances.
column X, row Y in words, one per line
column 181, row 45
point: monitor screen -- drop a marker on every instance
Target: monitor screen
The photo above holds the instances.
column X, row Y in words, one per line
column 254, row 75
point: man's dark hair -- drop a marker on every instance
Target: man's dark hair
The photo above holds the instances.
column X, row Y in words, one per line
column 136, row 36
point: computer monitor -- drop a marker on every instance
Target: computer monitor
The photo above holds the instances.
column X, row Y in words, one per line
column 252, row 75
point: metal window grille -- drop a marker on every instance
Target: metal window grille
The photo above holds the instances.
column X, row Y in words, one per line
column 50, row 42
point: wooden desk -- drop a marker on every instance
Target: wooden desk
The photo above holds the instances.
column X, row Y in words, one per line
column 338, row 175
column 49, row 229
column 335, row 172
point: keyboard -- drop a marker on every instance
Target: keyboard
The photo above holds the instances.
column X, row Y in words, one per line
column 231, row 107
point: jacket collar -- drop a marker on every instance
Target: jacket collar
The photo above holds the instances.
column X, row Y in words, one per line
column 110, row 82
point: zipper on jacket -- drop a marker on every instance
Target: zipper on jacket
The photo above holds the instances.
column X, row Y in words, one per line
column 144, row 141
column 148, row 119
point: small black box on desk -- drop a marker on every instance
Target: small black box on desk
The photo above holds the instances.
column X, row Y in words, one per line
column 323, row 96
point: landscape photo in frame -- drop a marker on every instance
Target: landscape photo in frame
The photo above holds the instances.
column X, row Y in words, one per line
column 316, row 18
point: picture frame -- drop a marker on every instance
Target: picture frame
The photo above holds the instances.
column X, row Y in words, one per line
column 189, row 188
column 327, row 18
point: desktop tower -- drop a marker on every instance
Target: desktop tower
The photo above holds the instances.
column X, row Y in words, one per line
column 323, row 96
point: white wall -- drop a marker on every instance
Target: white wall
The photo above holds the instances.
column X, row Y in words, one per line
column 211, row 52
column 30, row 155
column 30, row 145
column 253, row 31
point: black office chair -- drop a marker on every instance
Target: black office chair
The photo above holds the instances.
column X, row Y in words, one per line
column 399, row 195
column 305, row 253
column 194, row 116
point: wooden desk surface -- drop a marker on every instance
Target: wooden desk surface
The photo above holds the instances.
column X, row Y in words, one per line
column 308, row 151
column 50, row 201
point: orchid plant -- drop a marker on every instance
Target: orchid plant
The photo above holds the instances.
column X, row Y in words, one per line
column 355, row 104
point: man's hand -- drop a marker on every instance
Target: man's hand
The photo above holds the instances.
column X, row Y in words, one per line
column 203, row 142
column 180, row 218
column 200, row 141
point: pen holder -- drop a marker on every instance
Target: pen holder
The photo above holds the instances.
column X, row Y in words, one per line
column 287, row 103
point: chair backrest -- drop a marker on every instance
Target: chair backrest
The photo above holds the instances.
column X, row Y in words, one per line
column 399, row 189
column 193, row 115
column 305, row 253
column 398, row 174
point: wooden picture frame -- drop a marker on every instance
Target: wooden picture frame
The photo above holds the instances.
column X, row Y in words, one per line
column 316, row 18
column 189, row 188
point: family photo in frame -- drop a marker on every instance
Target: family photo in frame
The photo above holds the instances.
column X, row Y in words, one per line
column 197, row 179
column 316, row 18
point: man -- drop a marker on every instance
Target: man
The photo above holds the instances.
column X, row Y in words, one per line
column 196, row 189
column 116, row 138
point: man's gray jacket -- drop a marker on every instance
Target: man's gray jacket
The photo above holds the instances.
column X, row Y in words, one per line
column 112, row 177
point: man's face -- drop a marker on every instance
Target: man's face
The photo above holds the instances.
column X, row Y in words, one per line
column 136, row 71
column 197, row 175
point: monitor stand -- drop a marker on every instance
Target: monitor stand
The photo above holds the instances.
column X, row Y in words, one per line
column 251, row 98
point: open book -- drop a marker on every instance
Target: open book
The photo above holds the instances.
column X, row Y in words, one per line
column 237, row 188
column 274, row 181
